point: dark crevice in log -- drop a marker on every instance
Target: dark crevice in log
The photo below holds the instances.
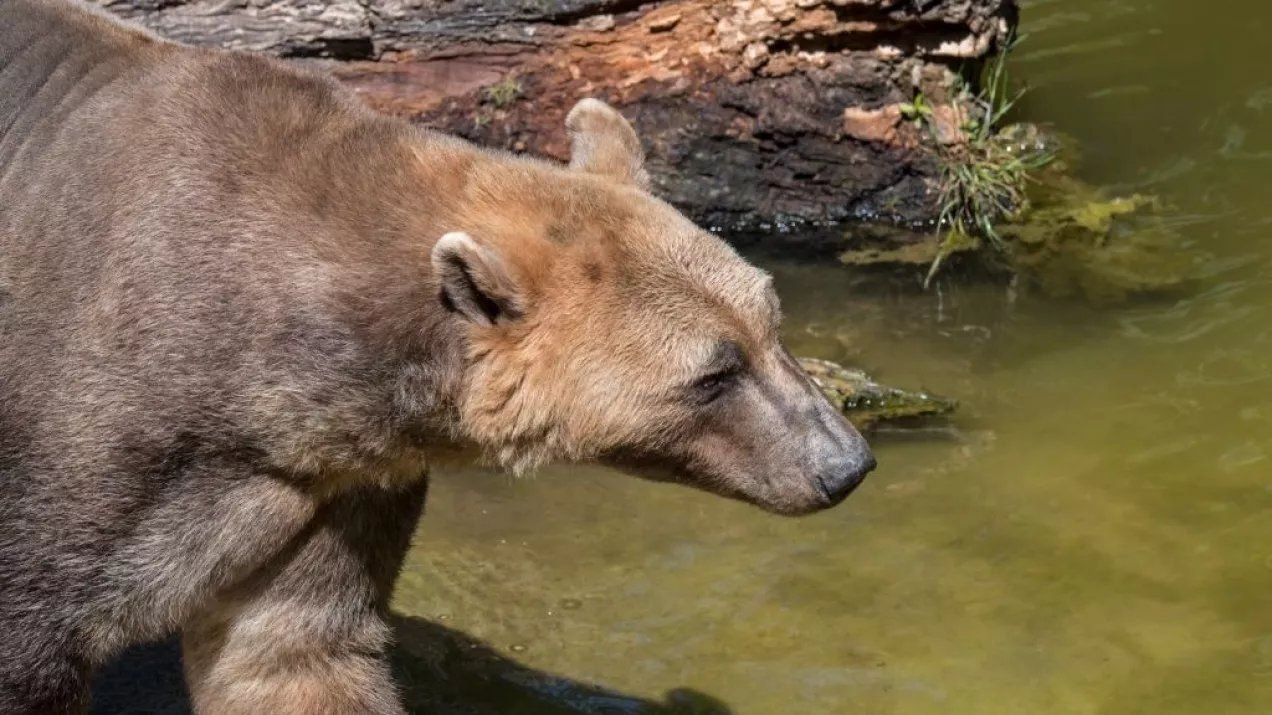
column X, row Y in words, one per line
column 879, row 14
column 143, row 5
column 612, row 7
column 914, row 40
column 333, row 48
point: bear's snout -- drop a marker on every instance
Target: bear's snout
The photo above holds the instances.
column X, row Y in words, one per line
column 841, row 475
column 840, row 455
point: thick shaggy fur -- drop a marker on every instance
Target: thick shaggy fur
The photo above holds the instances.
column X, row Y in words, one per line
column 239, row 314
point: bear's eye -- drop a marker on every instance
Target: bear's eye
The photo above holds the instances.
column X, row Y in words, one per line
column 710, row 387
column 719, row 374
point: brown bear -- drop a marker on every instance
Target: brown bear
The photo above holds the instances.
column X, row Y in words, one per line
column 240, row 314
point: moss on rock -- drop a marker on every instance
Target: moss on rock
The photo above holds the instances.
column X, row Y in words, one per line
column 865, row 402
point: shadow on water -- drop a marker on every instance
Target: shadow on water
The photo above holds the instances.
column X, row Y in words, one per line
column 439, row 670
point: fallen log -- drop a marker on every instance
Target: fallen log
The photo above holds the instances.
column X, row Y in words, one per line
column 754, row 113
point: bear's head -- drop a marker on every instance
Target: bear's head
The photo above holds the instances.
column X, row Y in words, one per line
column 604, row 326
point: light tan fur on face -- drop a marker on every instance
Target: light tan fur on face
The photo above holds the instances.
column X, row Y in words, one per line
column 623, row 299
column 597, row 320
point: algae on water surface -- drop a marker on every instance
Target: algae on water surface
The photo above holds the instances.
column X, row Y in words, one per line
column 1069, row 238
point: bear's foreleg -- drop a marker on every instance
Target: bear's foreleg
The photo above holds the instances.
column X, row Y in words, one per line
column 308, row 635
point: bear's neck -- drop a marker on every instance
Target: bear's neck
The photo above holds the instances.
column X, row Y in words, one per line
column 412, row 188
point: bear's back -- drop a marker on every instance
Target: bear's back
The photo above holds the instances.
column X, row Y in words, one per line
column 189, row 239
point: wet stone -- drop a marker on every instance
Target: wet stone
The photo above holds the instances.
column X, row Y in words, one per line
column 867, row 403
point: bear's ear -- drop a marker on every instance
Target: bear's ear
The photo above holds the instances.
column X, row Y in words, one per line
column 474, row 281
column 603, row 143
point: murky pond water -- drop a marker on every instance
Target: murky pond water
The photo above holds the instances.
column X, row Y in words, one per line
column 1095, row 535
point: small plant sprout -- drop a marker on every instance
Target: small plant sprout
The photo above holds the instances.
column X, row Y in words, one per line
column 504, row 92
column 917, row 111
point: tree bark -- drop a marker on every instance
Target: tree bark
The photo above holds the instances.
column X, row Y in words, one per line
column 753, row 112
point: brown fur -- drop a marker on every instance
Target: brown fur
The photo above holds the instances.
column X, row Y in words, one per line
column 240, row 314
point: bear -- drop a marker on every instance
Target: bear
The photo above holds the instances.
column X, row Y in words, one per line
column 242, row 315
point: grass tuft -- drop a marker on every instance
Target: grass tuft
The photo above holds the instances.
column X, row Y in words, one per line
column 983, row 180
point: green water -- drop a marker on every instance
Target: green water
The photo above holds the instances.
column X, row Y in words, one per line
column 1094, row 536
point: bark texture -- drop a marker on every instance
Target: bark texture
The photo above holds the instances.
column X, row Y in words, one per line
column 753, row 112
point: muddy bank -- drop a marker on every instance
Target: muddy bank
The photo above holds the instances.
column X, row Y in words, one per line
column 755, row 113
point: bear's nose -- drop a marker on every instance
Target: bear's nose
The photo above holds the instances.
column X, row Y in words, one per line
column 839, row 479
